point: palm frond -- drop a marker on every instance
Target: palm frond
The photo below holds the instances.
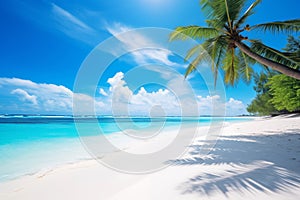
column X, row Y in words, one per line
column 295, row 56
column 220, row 57
column 202, row 56
column 247, row 13
column 194, row 64
column 193, row 51
column 231, row 67
column 235, row 8
column 288, row 26
column 195, row 32
column 228, row 16
column 220, row 51
column 216, row 47
column 212, row 45
column 245, row 69
column 212, row 23
column 284, row 58
column 293, row 44
column 223, row 11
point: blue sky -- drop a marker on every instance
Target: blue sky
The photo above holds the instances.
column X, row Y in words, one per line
column 43, row 44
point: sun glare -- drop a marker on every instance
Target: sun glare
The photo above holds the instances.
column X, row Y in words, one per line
column 156, row 2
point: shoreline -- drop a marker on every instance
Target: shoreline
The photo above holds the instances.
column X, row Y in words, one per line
column 267, row 146
column 91, row 158
column 167, row 130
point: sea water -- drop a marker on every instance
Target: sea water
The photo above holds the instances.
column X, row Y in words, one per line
column 30, row 144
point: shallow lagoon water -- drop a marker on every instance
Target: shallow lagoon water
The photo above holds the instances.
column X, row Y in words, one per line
column 29, row 144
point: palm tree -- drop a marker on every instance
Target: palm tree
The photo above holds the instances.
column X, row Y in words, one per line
column 225, row 44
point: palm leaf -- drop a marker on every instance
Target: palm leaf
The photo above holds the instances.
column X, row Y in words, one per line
column 288, row 26
column 231, row 67
column 295, row 56
column 245, row 70
column 219, row 59
column 275, row 55
column 215, row 47
column 228, row 16
column 195, row 32
column 213, row 44
column 223, row 11
column 201, row 57
column 220, row 51
column 193, row 51
column 247, row 13
column 235, row 7
column 193, row 65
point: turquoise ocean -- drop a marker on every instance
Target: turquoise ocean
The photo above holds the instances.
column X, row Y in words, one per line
column 31, row 144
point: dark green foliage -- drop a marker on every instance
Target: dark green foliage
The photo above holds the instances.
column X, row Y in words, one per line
column 293, row 47
column 293, row 44
column 261, row 105
column 285, row 92
column 256, row 105
column 277, row 92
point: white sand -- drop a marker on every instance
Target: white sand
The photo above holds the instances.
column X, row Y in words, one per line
column 251, row 160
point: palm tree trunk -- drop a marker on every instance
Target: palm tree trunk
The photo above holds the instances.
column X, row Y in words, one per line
column 265, row 61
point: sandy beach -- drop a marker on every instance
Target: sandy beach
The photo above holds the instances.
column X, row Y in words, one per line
column 258, row 159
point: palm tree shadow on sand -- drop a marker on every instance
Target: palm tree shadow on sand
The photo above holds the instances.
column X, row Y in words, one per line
column 268, row 163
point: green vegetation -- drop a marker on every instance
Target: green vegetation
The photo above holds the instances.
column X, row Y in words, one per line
column 286, row 93
column 277, row 93
column 261, row 105
column 225, row 44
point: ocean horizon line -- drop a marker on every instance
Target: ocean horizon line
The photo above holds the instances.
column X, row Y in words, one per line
column 114, row 116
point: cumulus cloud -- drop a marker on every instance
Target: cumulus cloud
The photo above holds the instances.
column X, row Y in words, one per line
column 180, row 100
column 125, row 102
column 161, row 101
column 235, row 107
column 27, row 96
column 47, row 98
column 24, row 96
column 120, row 91
column 213, row 105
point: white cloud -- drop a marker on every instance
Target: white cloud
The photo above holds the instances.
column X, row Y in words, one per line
column 137, row 44
column 173, row 102
column 102, row 92
column 71, row 18
column 17, row 82
column 120, row 92
column 175, row 99
column 72, row 25
column 24, row 96
column 206, row 102
column 161, row 102
column 47, row 98
column 210, row 104
column 235, row 107
column 124, row 102
column 153, row 98
column 117, row 28
column 86, row 105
